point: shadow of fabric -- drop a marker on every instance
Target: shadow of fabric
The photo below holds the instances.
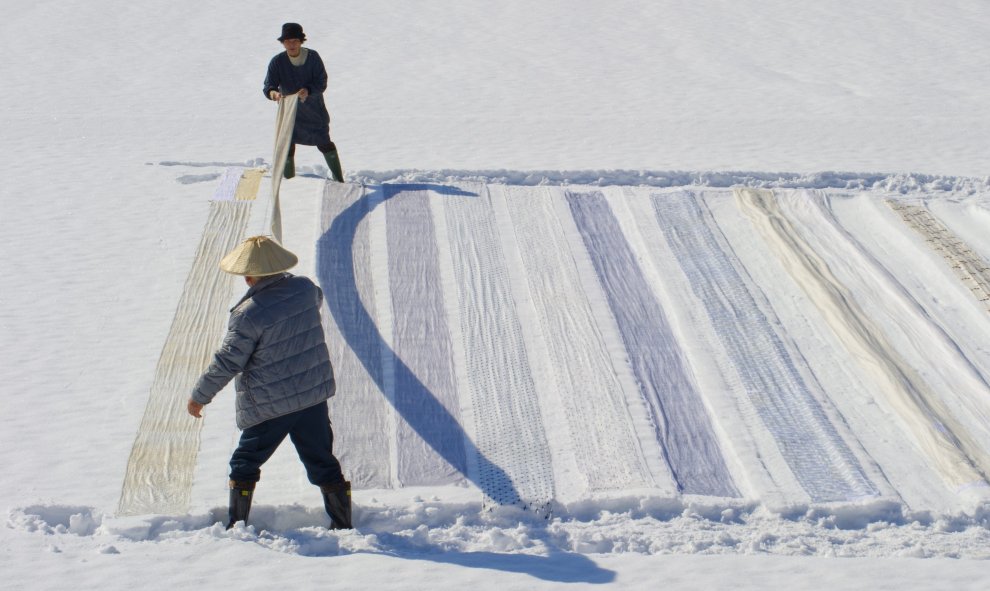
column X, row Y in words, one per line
column 431, row 421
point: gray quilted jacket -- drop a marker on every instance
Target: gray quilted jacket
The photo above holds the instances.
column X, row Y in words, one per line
column 275, row 343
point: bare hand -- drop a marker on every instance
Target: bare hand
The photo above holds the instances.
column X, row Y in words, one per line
column 302, row 95
column 194, row 408
column 275, row 95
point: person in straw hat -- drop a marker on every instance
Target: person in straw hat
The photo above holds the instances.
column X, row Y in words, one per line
column 276, row 349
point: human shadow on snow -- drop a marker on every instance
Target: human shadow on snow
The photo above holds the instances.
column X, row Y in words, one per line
column 558, row 567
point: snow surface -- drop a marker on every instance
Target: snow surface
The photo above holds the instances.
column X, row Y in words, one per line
column 628, row 294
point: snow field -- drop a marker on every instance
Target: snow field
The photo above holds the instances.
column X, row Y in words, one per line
column 115, row 142
column 430, row 529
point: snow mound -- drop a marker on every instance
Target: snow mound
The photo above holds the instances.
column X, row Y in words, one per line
column 632, row 525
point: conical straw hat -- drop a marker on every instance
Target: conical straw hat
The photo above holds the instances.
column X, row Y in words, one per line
column 258, row 256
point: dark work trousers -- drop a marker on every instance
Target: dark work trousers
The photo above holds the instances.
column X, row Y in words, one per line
column 310, row 431
column 331, row 147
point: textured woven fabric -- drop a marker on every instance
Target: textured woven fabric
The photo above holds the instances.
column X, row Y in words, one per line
column 258, row 256
column 284, row 121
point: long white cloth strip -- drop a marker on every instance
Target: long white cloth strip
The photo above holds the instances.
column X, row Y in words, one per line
column 228, row 184
column 957, row 456
column 160, row 470
column 284, row 121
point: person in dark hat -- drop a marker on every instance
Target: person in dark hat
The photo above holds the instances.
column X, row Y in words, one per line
column 299, row 70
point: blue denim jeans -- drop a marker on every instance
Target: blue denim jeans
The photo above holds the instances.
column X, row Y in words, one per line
column 310, row 431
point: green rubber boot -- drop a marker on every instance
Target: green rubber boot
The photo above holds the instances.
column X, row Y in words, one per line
column 290, row 168
column 333, row 162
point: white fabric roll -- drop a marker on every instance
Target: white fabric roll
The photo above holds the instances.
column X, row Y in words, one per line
column 284, row 121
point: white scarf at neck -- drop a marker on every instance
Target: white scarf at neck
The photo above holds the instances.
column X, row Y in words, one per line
column 299, row 59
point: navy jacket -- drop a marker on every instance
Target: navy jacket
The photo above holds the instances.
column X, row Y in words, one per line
column 275, row 345
column 312, row 126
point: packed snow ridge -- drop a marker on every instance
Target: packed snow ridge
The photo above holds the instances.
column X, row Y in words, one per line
column 853, row 181
column 431, row 527
column 894, row 183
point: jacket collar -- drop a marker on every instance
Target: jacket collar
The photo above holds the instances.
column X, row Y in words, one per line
column 263, row 283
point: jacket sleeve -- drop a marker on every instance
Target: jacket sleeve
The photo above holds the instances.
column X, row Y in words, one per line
column 271, row 78
column 319, row 83
column 230, row 360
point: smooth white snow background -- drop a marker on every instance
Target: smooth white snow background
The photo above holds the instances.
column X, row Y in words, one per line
column 118, row 119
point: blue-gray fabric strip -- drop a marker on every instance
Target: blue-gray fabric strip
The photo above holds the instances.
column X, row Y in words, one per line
column 430, row 441
column 682, row 425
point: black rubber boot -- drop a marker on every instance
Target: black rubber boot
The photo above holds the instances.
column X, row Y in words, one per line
column 290, row 168
column 337, row 502
column 333, row 162
column 241, row 494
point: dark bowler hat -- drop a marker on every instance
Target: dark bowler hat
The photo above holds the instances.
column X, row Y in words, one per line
column 292, row 31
